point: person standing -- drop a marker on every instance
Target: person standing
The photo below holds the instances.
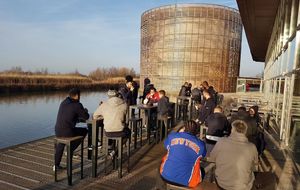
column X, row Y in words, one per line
column 129, row 91
column 69, row 113
column 206, row 108
column 236, row 159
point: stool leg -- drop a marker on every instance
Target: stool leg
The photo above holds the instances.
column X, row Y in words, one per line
column 135, row 134
column 120, row 152
column 115, row 160
column 69, row 164
column 128, row 156
column 160, row 130
column 141, row 134
column 81, row 161
column 106, row 154
column 55, row 169
column 166, row 128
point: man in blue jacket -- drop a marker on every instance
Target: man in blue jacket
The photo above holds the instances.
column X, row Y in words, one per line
column 69, row 113
column 181, row 165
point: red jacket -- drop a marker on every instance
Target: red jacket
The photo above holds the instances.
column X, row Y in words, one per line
column 153, row 98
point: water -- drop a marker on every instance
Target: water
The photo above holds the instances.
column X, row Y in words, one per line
column 28, row 117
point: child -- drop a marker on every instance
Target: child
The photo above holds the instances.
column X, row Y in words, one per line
column 163, row 105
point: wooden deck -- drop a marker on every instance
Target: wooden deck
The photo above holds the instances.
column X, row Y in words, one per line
column 29, row 166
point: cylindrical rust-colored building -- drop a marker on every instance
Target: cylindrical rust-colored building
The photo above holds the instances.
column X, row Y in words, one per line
column 193, row 43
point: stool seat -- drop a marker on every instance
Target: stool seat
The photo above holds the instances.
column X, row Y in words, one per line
column 202, row 186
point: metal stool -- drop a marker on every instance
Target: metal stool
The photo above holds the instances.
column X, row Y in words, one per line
column 134, row 123
column 163, row 121
column 119, row 144
column 68, row 141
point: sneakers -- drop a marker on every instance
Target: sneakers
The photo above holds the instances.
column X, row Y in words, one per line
column 76, row 156
column 112, row 154
column 58, row 168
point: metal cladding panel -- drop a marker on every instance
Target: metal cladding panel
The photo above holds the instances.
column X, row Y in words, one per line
column 193, row 43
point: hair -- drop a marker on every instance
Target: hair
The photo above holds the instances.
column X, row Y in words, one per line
column 240, row 126
column 191, row 127
column 147, row 81
column 186, row 84
column 152, row 88
column 129, row 78
column 162, row 92
column 74, row 92
column 218, row 108
column 205, row 83
column 242, row 108
column 190, row 85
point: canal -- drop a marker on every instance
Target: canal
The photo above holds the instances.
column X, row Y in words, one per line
column 27, row 117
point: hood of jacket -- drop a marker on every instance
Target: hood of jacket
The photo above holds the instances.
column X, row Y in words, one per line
column 115, row 101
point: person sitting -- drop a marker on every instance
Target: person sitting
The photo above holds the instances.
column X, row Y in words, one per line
column 181, row 165
column 163, row 106
column 243, row 115
column 152, row 97
column 69, row 113
column 258, row 135
column 147, row 87
column 236, row 159
column 113, row 112
column 207, row 108
column 218, row 125
column 253, row 113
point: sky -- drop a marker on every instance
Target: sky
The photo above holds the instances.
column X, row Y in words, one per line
column 65, row 35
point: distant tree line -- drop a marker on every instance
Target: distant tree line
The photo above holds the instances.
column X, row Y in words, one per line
column 105, row 73
column 99, row 74
column 41, row 71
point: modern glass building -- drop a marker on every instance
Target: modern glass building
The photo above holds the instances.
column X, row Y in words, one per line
column 193, row 43
column 273, row 32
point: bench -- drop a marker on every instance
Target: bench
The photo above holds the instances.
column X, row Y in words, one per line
column 68, row 141
column 202, row 186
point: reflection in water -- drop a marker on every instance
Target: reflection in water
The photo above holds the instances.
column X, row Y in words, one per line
column 26, row 117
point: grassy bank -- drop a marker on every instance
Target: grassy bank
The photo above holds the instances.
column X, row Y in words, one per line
column 10, row 83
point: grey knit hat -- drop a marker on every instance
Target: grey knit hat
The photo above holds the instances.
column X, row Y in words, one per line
column 112, row 93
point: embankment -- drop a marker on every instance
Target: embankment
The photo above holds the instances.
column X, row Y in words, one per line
column 10, row 83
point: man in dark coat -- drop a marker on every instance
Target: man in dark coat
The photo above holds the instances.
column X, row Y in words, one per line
column 217, row 123
column 184, row 89
column 69, row 113
column 129, row 91
column 243, row 115
column 211, row 90
column 206, row 108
